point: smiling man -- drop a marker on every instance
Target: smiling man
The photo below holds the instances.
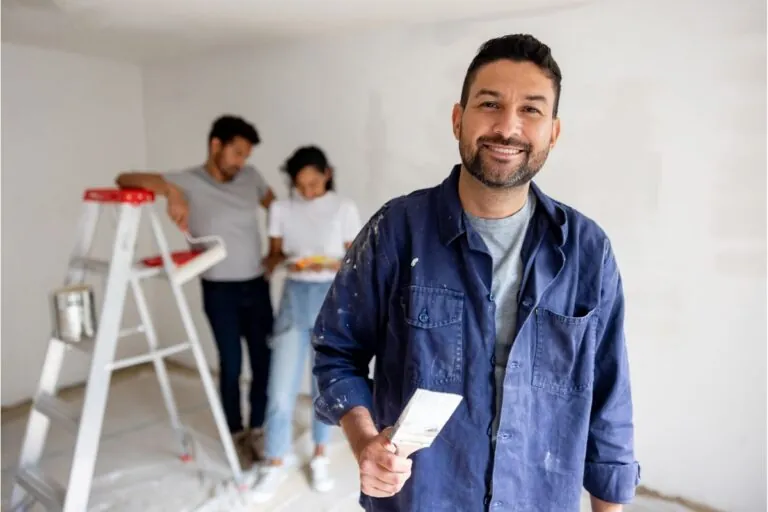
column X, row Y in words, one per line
column 486, row 287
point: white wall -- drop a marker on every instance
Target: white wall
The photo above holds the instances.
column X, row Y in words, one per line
column 663, row 142
column 69, row 122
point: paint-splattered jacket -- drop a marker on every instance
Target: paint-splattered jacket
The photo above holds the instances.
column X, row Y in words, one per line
column 566, row 418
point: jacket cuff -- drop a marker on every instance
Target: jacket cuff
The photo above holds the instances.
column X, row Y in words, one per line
column 341, row 397
column 613, row 483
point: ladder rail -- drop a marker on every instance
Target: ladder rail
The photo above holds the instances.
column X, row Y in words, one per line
column 38, row 423
column 99, row 377
column 86, row 229
column 197, row 352
column 162, row 374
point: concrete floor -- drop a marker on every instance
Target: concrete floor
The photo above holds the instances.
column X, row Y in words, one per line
column 138, row 466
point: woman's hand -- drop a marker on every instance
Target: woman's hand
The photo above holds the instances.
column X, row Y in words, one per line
column 327, row 265
column 315, row 266
column 271, row 262
column 333, row 265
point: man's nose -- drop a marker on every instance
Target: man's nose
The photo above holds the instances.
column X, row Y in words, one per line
column 508, row 124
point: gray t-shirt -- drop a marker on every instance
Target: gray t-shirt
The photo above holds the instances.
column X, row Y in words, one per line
column 504, row 239
column 229, row 210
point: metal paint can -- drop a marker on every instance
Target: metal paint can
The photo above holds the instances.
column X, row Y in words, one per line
column 74, row 313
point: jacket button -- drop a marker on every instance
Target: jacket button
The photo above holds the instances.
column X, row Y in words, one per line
column 423, row 317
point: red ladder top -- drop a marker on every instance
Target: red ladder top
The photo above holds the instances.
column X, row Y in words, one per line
column 119, row 195
column 137, row 196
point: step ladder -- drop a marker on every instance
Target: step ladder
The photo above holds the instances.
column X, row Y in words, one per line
column 121, row 272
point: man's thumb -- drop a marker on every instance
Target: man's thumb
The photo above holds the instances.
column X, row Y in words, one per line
column 388, row 445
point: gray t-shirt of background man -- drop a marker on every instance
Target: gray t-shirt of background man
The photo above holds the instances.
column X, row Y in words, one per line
column 229, row 210
column 504, row 240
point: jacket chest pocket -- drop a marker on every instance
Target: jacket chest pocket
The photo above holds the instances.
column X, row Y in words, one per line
column 433, row 318
column 564, row 360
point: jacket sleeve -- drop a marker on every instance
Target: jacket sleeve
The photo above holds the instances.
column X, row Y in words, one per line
column 611, row 472
column 351, row 322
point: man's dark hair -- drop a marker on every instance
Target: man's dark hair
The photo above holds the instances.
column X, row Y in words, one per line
column 303, row 157
column 517, row 48
column 227, row 127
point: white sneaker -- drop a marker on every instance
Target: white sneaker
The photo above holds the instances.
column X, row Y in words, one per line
column 270, row 479
column 320, row 475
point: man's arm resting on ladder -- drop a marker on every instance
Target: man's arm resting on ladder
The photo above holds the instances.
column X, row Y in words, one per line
column 151, row 181
column 178, row 209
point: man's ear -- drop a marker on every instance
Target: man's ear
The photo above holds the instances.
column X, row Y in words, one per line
column 215, row 145
column 555, row 132
column 458, row 111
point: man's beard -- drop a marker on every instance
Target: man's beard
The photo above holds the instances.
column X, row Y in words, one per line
column 494, row 174
column 227, row 173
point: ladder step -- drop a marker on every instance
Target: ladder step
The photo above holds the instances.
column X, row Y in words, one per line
column 184, row 270
column 58, row 410
column 150, row 356
column 45, row 490
column 86, row 345
column 102, row 266
column 131, row 331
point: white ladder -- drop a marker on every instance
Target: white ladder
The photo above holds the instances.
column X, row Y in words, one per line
column 122, row 272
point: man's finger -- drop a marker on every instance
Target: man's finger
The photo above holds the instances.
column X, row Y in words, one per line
column 386, row 442
column 376, row 488
column 393, row 463
column 388, row 478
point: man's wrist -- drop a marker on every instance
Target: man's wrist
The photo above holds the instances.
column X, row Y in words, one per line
column 170, row 190
column 599, row 505
column 359, row 428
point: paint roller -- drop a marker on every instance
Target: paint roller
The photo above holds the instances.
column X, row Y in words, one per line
column 213, row 254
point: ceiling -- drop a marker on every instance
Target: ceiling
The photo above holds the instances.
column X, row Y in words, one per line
column 143, row 30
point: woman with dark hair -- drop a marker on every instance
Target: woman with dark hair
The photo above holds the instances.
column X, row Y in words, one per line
column 310, row 233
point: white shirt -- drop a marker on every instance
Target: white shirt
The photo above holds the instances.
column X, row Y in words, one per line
column 316, row 227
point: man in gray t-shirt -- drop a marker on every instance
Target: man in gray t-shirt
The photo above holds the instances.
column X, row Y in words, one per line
column 222, row 197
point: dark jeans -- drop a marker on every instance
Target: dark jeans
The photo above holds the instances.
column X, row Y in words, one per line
column 235, row 310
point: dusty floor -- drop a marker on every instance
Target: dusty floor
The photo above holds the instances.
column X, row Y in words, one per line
column 138, row 466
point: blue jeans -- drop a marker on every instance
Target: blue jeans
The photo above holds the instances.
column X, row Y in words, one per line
column 237, row 310
column 290, row 345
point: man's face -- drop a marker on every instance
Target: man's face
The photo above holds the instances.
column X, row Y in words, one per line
column 230, row 158
column 507, row 128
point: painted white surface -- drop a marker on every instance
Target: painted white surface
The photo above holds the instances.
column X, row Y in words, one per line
column 663, row 142
column 69, row 122
column 143, row 30
column 137, row 467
